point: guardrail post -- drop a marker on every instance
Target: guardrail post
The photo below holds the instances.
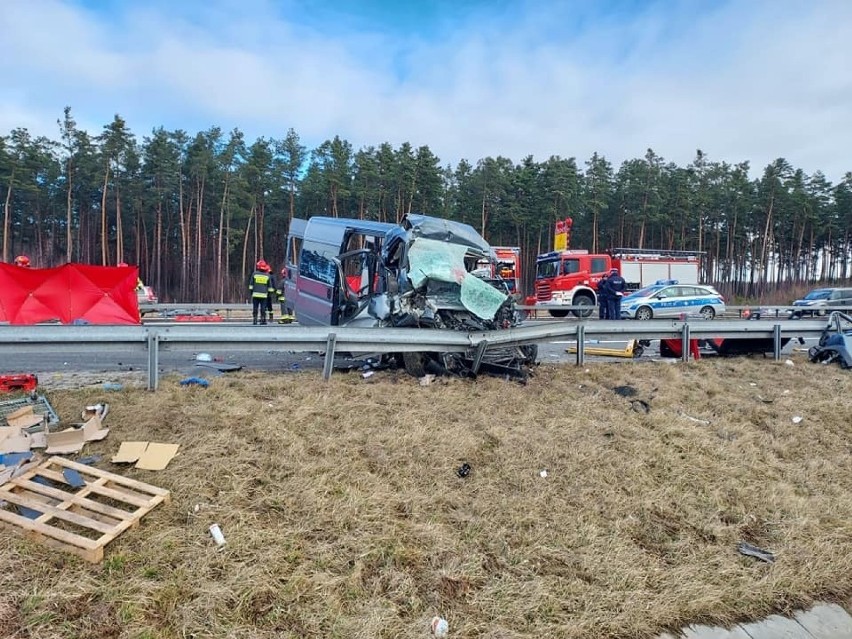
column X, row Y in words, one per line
column 581, row 344
column 776, row 341
column 481, row 347
column 153, row 360
column 328, row 364
column 684, row 342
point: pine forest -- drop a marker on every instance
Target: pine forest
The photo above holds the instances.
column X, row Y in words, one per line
column 196, row 211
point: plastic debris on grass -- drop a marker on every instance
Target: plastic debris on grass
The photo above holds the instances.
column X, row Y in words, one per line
column 195, row 381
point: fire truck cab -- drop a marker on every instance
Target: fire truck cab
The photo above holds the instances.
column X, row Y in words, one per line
column 570, row 278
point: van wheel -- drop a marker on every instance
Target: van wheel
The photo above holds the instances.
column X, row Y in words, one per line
column 530, row 352
column 707, row 312
column 583, row 300
column 415, row 364
column 644, row 313
column 558, row 313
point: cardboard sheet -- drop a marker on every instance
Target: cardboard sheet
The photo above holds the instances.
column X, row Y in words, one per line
column 24, row 418
column 93, row 430
column 157, row 456
column 14, row 441
column 129, row 452
column 66, row 442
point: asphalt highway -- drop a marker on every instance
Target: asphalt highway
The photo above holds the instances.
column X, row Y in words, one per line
column 182, row 362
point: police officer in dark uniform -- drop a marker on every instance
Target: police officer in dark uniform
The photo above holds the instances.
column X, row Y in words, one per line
column 603, row 298
column 615, row 286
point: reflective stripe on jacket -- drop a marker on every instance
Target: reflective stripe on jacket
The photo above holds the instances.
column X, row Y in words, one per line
column 260, row 284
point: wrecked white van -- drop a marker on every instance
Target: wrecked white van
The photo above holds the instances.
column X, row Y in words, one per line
column 417, row 274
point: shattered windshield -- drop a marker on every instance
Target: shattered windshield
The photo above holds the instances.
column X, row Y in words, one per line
column 430, row 259
column 547, row 268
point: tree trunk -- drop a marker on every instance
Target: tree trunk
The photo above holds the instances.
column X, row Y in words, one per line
column 244, row 274
column 220, row 280
column 104, row 236
column 119, row 230
column 198, row 239
column 764, row 258
column 69, row 245
column 7, row 218
column 484, row 215
column 184, row 238
column 158, row 246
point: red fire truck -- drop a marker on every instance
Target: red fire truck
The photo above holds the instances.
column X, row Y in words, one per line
column 507, row 267
column 566, row 277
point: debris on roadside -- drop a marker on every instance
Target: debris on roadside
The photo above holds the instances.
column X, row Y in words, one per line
column 835, row 343
column 758, row 553
column 216, row 533
column 796, row 419
column 426, row 380
column 625, row 391
column 71, row 440
column 49, row 491
column 463, row 470
column 195, row 381
column 221, row 367
column 705, row 422
column 640, row 406
column 440, row 627
column 26, row 383
column 146, row 455
column 28, row 429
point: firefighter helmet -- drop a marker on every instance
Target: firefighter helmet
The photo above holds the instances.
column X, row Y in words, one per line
column 122, row 264
column 22, row 260
column 262, row 265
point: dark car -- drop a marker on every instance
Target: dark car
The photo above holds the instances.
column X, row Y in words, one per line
column 821, row 301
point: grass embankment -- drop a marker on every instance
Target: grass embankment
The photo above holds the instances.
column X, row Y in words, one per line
column 344, row 515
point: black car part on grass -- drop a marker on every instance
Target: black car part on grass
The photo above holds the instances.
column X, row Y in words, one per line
column 835, row 343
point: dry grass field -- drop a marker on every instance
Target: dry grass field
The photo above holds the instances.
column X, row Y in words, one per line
column 345, row 517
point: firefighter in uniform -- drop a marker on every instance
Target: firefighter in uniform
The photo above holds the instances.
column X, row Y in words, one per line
column 260, row 284
column 285, row 318
column 271, row 293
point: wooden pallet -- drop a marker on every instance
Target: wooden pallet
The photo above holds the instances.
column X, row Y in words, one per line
column 101, row 510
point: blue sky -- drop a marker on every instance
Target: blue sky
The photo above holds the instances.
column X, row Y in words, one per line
column 741, row 80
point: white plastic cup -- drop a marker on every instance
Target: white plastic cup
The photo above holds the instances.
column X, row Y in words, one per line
column 440, row 627
column 218, row 537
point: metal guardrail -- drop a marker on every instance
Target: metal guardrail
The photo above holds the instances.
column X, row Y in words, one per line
column 766, row 311
column 329, row 340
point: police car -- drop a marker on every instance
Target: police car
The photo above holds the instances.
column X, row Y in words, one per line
column 669, row 298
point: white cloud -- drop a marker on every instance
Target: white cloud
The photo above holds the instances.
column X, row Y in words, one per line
column 741, row 81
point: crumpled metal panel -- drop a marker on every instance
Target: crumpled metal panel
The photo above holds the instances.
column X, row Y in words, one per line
column 434, row 228
column 442, row 261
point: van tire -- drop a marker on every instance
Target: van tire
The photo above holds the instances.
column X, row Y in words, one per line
column 415, row 364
